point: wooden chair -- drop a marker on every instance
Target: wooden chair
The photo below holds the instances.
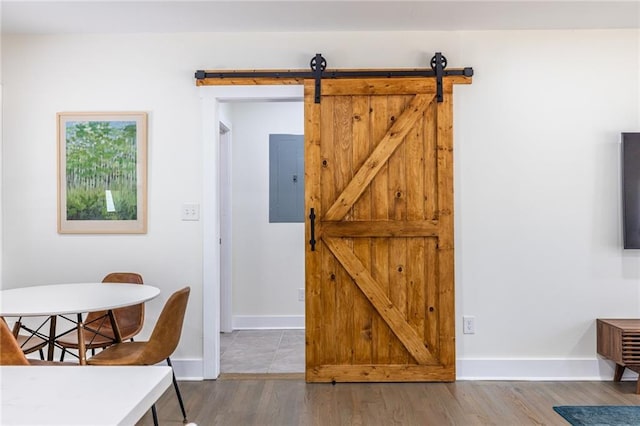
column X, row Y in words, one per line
column 10, row 351
column 163, row 341
column 29, row 343
column 98, row 333
column 12, row 354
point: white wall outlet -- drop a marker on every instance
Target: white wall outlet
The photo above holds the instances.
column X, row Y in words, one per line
column 191, row 212
column 469, row 324
column 301, row 295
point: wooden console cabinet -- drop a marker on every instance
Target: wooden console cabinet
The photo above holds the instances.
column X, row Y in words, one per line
column 619, row 341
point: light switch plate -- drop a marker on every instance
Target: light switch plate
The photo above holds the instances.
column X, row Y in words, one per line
column 191, row 211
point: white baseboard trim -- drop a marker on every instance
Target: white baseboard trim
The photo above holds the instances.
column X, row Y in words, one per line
column 538, row 369
column 547, row 369
column 187, row 369
column 257, row 322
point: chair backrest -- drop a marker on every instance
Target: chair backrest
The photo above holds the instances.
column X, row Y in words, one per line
column 166, row 333
column 10, row 352
column 130, row 319
column 123, row 277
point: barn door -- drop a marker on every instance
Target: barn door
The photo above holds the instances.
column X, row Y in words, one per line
column 379, row 189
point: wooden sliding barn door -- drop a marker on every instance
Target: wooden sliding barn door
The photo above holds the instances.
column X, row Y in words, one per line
column 380, row 277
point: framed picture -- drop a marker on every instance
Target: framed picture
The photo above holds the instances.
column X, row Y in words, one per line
column 102, row 172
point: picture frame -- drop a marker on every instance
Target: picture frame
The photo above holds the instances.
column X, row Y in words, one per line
column 102, row 172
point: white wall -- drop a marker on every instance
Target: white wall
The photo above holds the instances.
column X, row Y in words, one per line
column 538, row 246
column 539, row 231
column 268, row 258
column 538, row 228
column 45, row 75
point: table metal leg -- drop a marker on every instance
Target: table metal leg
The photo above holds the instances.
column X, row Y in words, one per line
column 117, row 336
column 52, row 337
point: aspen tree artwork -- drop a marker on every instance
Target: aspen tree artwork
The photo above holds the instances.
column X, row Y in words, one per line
column 102, row 172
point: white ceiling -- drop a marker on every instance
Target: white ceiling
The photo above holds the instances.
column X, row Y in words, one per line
column 169, row 16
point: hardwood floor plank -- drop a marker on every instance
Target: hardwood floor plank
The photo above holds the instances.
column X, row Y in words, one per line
column 289, row 401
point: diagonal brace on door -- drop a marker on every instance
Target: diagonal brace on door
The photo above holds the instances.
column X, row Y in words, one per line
column 384, row 149
column 383, row 305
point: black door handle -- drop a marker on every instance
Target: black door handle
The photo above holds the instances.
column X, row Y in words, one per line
column 312, row 218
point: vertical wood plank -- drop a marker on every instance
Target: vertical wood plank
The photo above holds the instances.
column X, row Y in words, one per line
column 430, row 155
column 416, row 286
column 416, row 203
column 415, row 171
column 432, row 302
column 398, row 211
column 329, row 167
column 383, row 339
column 345, row 289
column 342, row 146
column 363, row 312
column 431, row 284
column 313, row 263
column 445, row 244
column 397, row 172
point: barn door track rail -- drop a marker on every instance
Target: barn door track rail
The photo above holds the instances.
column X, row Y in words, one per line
column 319, row 71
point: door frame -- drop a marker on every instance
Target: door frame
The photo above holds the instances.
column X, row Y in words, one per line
column 226, row 247
column 210, row 99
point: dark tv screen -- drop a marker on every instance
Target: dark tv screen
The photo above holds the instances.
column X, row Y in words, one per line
column 631, row 189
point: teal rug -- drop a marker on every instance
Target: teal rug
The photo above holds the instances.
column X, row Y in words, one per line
column 600, row 415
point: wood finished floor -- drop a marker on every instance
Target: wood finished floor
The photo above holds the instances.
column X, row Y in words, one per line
column 272, row 400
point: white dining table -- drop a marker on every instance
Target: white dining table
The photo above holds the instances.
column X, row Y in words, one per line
column 54, row 300
column 62, row 395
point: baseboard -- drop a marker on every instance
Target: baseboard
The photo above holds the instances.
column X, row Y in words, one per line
column 547, row 369
column 187, row 369
column 552, row 369
column 258, row 322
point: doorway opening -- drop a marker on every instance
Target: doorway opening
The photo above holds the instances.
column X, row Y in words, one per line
column 262, row 254
column 213, row 113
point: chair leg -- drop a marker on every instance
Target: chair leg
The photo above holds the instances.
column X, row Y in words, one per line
column 41, row 354
column 617, row 376
column 64, row 350
column 175, row 385
column 154, row 414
